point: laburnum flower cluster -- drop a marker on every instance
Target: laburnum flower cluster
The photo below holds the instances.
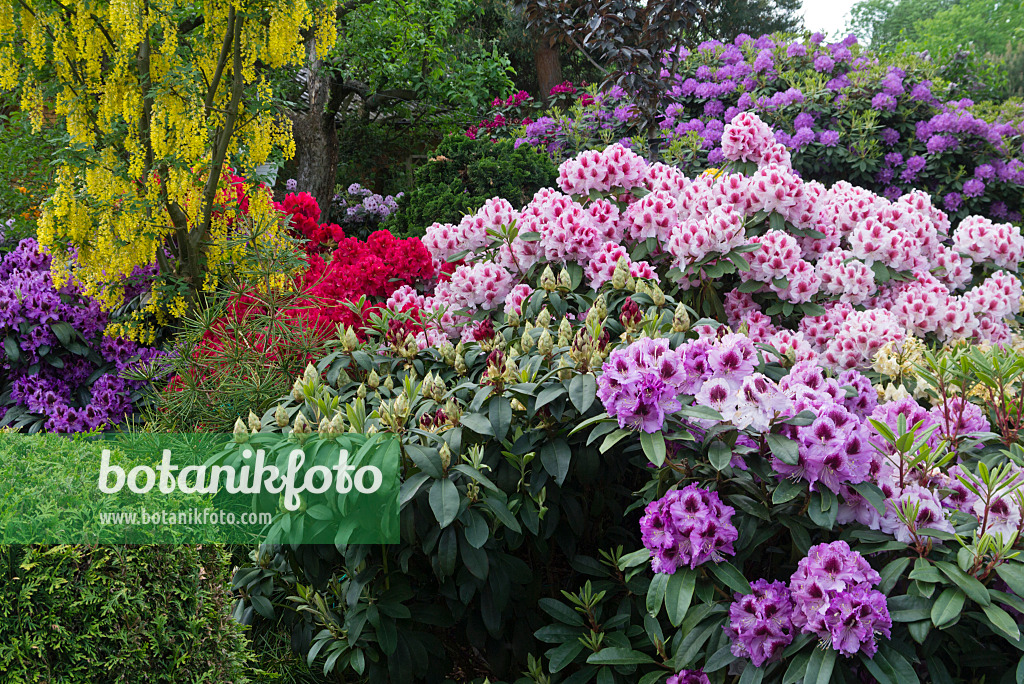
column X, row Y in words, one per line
column 927, row 141
column 59, row 366
column 843, row 256
column 687, row 527
column 831, row 595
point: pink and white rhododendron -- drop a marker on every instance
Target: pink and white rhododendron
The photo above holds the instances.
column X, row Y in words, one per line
column 881, row 269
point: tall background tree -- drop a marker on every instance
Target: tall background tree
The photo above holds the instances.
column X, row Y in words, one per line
column 627, row 41
column 727, row 19
column 978, row 39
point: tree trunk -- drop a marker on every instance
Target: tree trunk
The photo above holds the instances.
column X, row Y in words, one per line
column 549, row 66
column 316, row 137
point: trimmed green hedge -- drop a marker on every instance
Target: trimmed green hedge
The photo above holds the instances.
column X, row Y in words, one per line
column 105, row 614
column 118, row 614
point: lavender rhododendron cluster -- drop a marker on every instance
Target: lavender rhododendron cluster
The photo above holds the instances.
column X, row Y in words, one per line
column 686, row 528
column 60, row 371
column 905, row 131
column 831, row 595
column 362, row 207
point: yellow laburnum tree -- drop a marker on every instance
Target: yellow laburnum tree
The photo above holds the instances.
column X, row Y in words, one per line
column 161, row 101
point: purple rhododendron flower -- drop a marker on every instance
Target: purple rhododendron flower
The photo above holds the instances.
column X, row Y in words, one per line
column 640, row 384
column 829, row 138
column 829, row 571
column 687, row 527
column 761, row 622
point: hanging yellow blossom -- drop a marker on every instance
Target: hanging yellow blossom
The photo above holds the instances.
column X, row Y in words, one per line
column 157, row 97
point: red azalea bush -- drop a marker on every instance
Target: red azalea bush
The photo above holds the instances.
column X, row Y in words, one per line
column 375, row 268
column 262, row 337
column 305, row 222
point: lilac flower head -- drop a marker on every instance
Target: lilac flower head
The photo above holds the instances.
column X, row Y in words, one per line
column 687, row 527
column 640, row 384
column 761, row 623
column 829, row 138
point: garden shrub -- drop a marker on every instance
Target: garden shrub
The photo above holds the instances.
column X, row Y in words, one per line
column 463, row 174
column 118, row 614
column 61, row 370
column 598, row 487
column 243, row 348
column 887, row 123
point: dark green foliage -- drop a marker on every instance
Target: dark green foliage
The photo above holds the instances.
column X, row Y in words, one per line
column 465, row 173
column 25, row 173
column 727, row 19
column 118, row 614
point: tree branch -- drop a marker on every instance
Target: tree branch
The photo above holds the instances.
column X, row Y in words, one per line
column 221, row 148
column 211, row 91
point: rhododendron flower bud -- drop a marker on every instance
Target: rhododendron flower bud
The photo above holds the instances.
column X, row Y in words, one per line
column 350, row 341
column 241, row 434
column 621, row 274
column 680, row 319
column 564, row 281
column 300, row 427
column 254, row 422
column 564, row 333
column 281, row 417
column 527, row 341
column 547, row 279
column 657, row 295
column 544, row 342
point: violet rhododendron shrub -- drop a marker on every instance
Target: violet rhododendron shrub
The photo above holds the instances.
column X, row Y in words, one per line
column 889, row 124
column 61, row 371
column 665, row 428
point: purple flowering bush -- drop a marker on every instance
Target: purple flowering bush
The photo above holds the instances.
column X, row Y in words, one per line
column 60, row 372
column 887, row 124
